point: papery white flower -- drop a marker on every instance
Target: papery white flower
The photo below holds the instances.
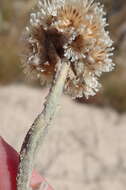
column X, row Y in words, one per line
column 74, row 31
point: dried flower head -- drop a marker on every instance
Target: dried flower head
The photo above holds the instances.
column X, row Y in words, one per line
column 73, row 31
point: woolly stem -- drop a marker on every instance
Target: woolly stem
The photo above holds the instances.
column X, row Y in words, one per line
column 39, row 129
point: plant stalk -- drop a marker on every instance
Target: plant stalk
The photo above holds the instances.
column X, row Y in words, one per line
column 39, row 128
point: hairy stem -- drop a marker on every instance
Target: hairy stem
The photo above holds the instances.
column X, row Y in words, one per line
column 39, row 128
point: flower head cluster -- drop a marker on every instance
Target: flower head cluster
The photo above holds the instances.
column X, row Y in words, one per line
column 72, row 31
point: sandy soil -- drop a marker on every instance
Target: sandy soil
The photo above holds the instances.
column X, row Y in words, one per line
column 85, row 148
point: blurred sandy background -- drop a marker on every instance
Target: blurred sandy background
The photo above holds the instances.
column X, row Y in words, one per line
column 86, row 148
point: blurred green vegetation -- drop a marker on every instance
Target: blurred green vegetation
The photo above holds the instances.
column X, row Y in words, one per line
column 115, row 94
column 13, row 18
column 9, row 69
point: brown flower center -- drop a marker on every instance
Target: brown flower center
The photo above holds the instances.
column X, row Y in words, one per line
column 57, row 40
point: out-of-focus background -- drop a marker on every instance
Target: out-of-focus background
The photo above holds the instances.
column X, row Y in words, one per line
column 87, row 144
column 14, row 15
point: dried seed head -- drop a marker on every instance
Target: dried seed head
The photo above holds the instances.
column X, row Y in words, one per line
column 74, row 31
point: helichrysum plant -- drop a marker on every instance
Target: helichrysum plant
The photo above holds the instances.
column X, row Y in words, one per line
column 66, row 45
